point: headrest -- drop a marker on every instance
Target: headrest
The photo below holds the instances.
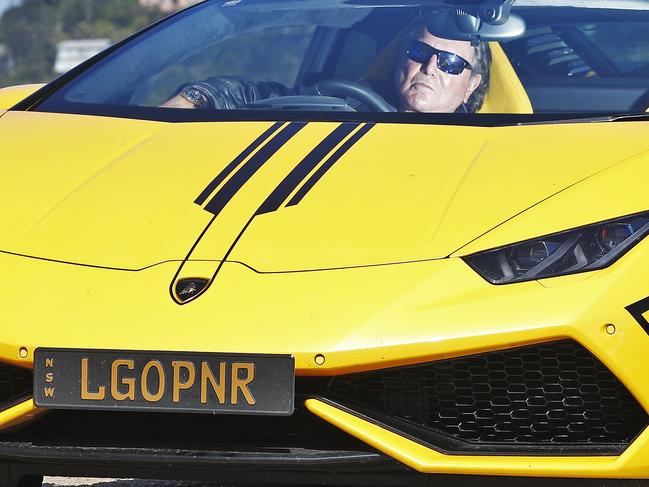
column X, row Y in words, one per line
column 506, row 93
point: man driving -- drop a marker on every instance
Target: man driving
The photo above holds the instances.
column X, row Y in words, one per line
column 432, row 74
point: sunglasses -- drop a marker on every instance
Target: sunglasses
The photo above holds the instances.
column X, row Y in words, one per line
column 448, row 62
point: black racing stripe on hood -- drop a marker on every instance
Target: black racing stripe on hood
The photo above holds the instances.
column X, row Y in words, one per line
column 304, row 168
column 322, row 170
column 283, row 190
column 218, row 180
column 243, row 175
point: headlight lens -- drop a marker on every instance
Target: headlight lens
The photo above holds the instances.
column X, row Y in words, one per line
column 579, row 250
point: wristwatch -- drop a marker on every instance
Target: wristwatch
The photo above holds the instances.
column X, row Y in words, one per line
column 193, row 96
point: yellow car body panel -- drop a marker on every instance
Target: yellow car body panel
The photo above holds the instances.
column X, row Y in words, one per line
column 389, row 199
column 424, row 460
column 19, row 415
column 11, row 95
column 99, row 215
column 431, row 297
column 604, row 196
column 392, row 193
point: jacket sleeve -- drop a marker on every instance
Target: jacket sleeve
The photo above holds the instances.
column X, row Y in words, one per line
column 230, row 93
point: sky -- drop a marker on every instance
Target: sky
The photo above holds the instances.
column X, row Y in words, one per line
column 5, row 4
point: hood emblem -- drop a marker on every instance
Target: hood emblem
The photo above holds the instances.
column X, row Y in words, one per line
column 188, row 289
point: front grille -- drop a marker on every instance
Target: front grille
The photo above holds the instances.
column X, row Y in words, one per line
column 15, row 385
column 551, row 398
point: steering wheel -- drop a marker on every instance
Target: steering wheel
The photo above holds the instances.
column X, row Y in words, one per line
column 342, row 88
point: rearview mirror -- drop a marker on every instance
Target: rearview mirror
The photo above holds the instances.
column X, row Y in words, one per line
column 489, row 21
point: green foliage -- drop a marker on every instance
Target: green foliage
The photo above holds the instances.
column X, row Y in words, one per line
column 30, row 32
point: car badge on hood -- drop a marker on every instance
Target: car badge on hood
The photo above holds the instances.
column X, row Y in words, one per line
column 188, row 289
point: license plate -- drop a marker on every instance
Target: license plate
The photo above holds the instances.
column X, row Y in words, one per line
column 164, row 381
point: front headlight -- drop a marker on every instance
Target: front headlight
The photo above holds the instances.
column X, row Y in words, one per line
column 582, row 249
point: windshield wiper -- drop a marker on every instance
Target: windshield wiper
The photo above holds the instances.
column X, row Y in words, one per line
column 618, row 117
column 623, row 117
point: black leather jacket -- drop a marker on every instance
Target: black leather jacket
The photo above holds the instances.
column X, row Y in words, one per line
column 230, row 93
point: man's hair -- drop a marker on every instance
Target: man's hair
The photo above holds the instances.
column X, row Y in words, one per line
column 481, row 66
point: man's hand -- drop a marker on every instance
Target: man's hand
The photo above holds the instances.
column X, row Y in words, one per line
column 178, row 101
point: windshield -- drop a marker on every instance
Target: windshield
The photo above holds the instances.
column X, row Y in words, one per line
column 333, row 57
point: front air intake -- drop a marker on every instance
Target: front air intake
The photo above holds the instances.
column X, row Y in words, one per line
column 554, row 398
column 15, row 385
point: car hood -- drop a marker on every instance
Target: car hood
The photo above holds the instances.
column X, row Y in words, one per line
column 128, row 194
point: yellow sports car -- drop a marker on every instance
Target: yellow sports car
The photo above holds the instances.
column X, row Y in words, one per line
column 333, row 242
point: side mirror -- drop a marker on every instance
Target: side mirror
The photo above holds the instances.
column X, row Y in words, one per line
column 13, row 94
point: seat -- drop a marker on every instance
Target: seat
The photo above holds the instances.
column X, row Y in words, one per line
column 506, row 92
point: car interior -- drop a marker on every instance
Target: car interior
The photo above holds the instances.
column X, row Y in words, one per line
column 557, row 66
column 562, row 61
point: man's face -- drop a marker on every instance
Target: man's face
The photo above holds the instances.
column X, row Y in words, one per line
column 424, row 88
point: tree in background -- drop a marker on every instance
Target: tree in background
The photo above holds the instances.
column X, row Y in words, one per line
column 30, row 32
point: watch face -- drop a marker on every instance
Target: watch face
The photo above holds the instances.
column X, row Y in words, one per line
column 192, row 95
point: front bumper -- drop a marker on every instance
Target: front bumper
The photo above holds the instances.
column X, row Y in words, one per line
column 360, row 320
column 117, row 447
column 196, row 447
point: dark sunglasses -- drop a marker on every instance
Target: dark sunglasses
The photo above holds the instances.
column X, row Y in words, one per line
column 448, row 62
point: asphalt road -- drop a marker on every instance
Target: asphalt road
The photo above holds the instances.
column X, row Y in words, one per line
column 81, row 482
column 85, row 482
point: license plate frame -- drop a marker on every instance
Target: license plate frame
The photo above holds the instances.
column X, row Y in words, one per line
column 114, row 380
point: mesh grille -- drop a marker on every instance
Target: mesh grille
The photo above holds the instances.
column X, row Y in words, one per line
column 552, row 394
column 15, row 384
